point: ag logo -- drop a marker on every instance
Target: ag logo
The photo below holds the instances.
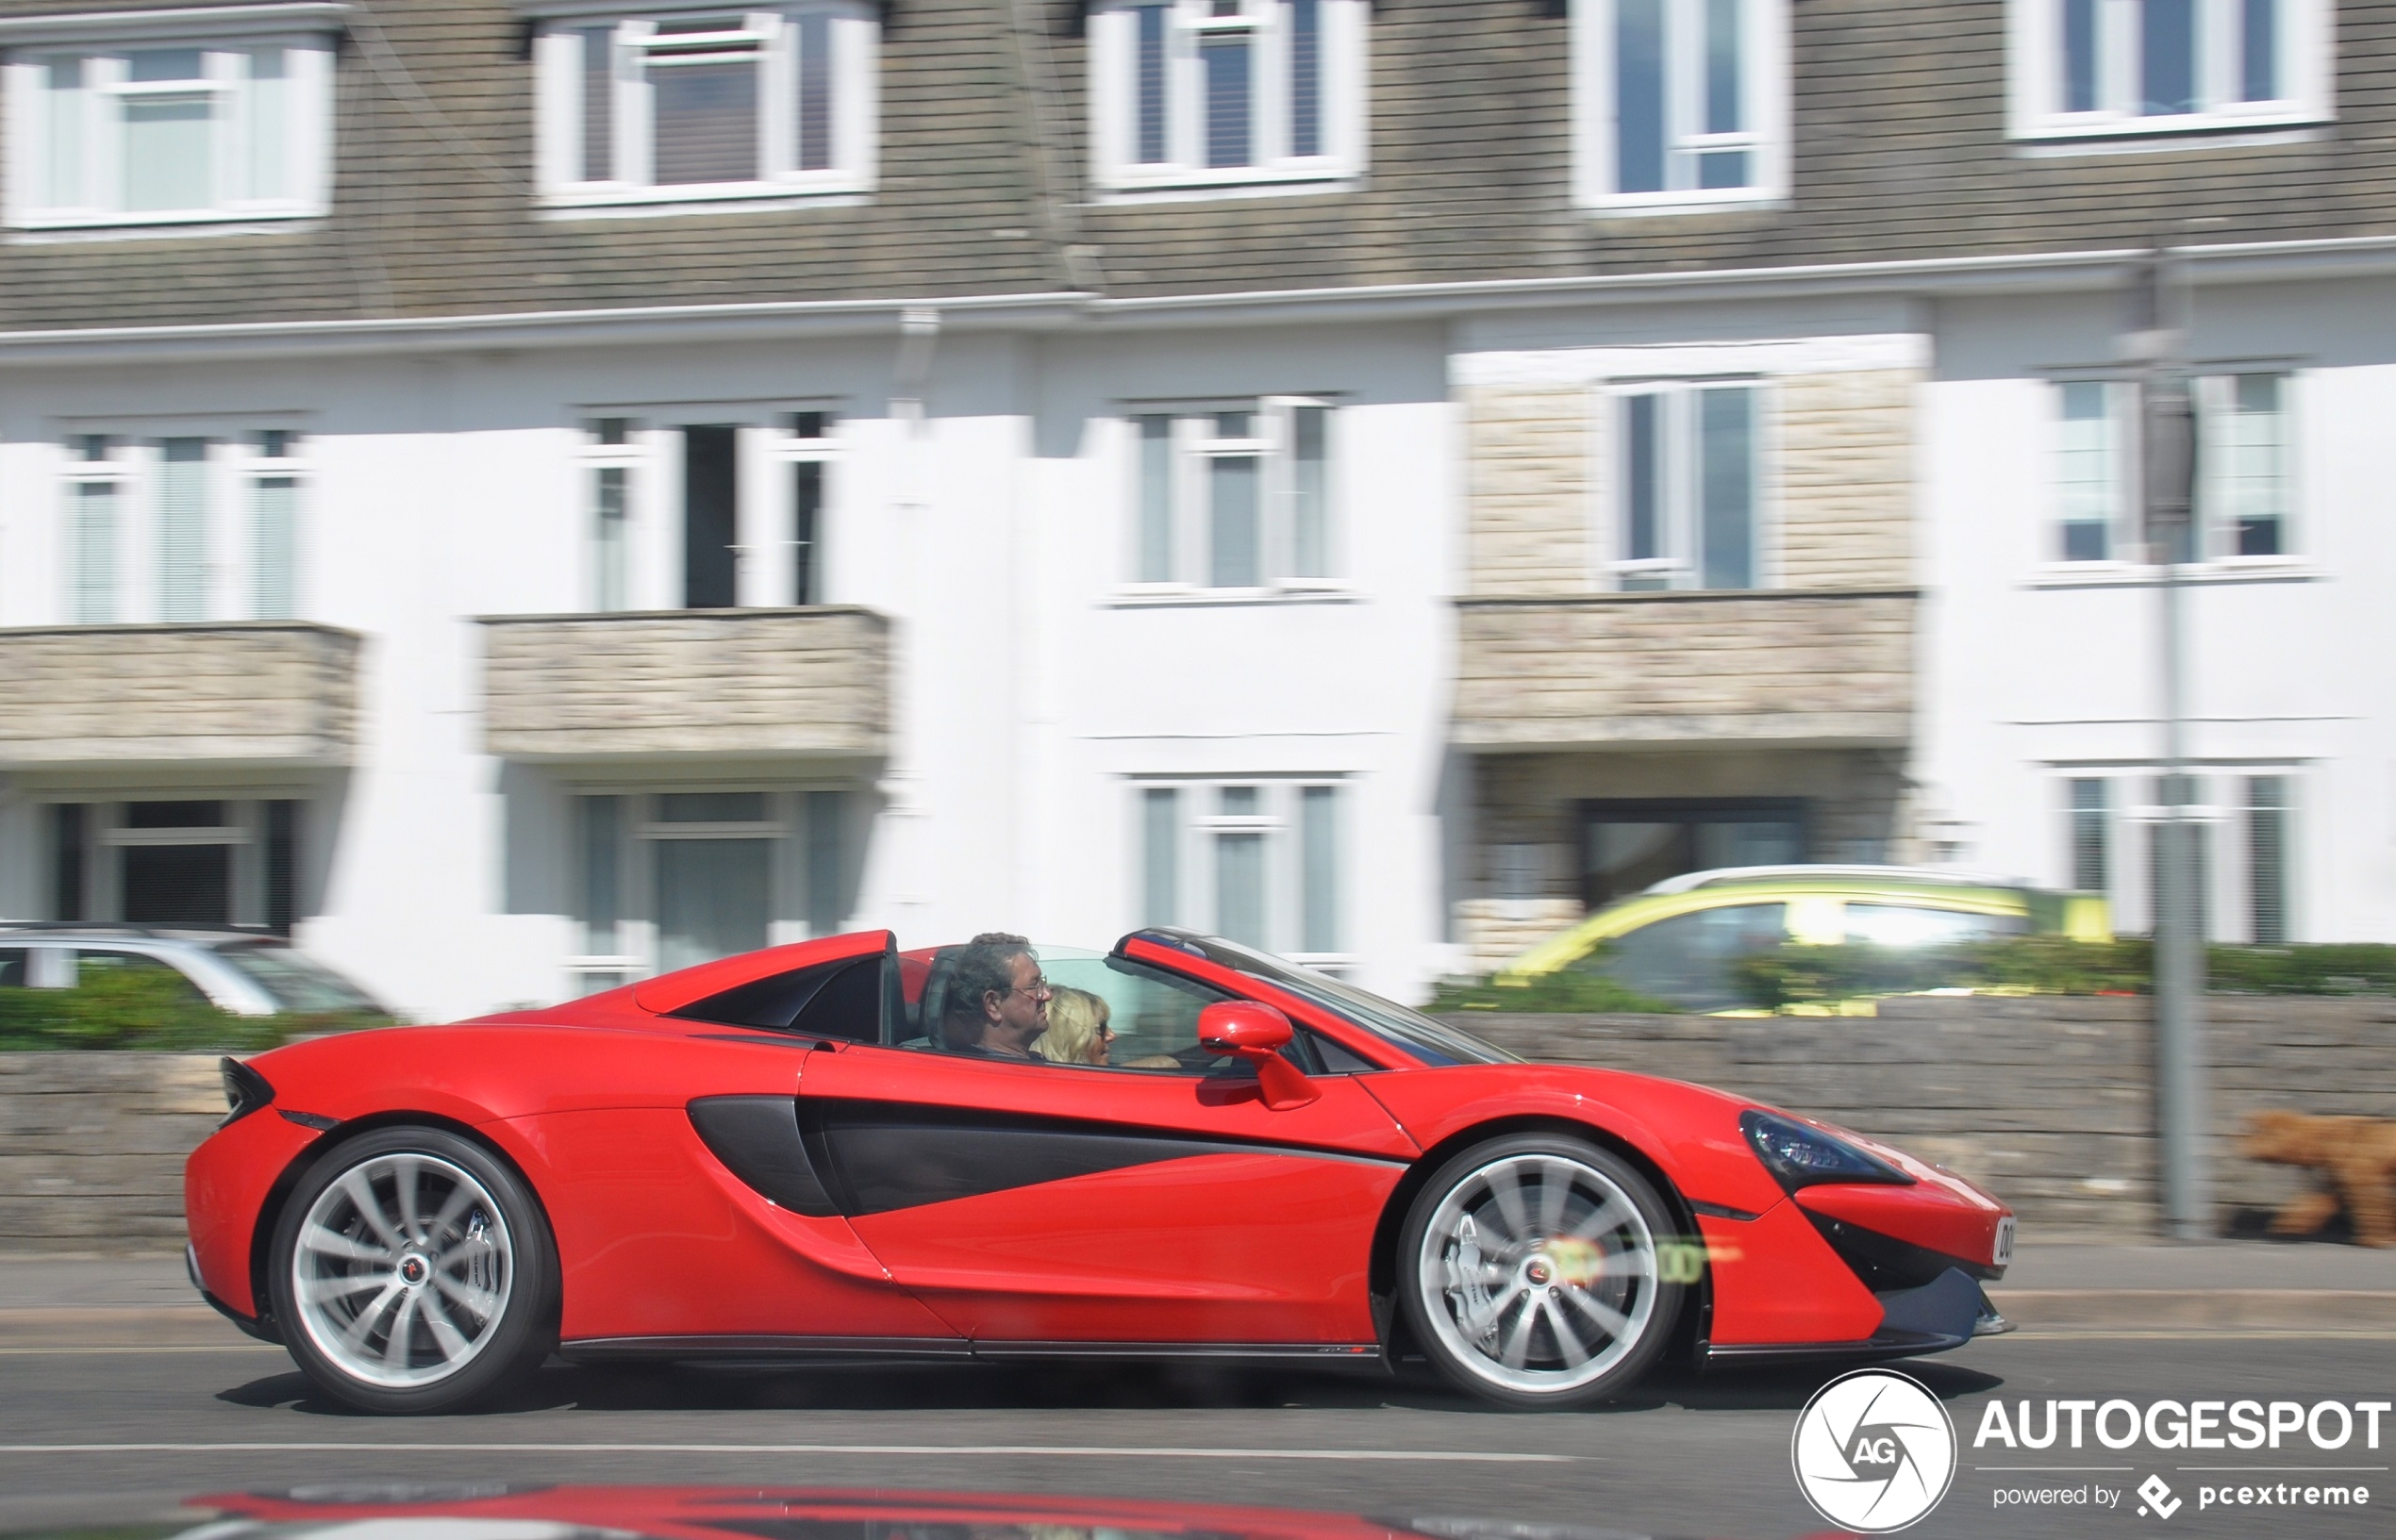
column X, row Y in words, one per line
column 1874, row 1451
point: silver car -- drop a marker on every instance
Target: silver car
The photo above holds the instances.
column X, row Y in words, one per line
column 241, row 972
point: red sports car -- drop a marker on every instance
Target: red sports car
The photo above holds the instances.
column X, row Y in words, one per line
column 815, row 1151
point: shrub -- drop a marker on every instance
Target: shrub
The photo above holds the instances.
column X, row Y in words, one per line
column 1568, row 991
column 146, row 1009
column 2051, row 965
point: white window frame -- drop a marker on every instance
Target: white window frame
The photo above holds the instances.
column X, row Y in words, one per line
column 2038, row 108
column 1114, row 97
column 1765, row 107
column 785, row 450
column 1278, row 819
column 230, row 471
column 1274, row 443
column 1682, row 565
column 2216, row 535
column 632, row 457
column 557, row 54
column 226, row 37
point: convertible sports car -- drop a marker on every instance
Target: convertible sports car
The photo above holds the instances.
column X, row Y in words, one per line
column 786, row 1154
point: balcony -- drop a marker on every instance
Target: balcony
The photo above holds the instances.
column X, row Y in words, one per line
column 1828, row 667
column 747, row 684
column 277, row 694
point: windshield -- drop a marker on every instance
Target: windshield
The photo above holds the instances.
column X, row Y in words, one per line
column 296, row 984
column 1433, row 1042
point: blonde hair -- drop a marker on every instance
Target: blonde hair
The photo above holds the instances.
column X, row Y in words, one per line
column 1075, row 1017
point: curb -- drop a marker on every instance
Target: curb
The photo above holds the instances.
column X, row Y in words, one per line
column 2251, row 1310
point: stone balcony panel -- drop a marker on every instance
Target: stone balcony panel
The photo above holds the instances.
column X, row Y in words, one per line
column 281, row 694
column 1819, row 666
column 759, row 683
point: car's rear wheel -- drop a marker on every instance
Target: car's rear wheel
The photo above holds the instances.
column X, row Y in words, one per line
column 413, row 1272
column 1531, row 1272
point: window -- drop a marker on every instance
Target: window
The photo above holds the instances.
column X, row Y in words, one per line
column 2121, row 67
column 808, row 449
column 1197, row 93
column 1686, row 486
column 2092, row 835
column 1627, row 846
column 184, row 527
column 2267, row 859
column 695, row 105
column 609, row 459
column 2200, row 847
column 190, row 116
column 204, row 860
column 2246, row 486
column 1237, row 497
column 1691, row 960
column 1679, row 103
column 667, row 879
column 1259, row 863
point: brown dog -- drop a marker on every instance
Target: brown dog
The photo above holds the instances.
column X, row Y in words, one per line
column 2357, row 1155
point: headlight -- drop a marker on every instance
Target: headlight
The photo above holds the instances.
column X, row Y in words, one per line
column 1800, row 1155
column 246, row 1090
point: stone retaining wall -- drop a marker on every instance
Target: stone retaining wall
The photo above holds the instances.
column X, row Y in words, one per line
column 2046, row 1100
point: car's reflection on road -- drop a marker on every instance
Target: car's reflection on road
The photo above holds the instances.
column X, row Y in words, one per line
column 354, row 1511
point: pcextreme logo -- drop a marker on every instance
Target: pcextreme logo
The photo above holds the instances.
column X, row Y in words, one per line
column 1874, row 1451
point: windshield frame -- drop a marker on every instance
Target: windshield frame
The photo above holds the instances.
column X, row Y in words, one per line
column 1424, row 1038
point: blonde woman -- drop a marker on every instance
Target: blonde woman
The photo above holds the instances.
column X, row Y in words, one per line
column 1077, row 1030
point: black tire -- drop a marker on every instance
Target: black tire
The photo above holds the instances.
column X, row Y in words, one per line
column 465, row 1306
column 1589, row 1313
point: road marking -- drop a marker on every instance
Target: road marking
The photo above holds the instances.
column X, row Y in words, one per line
column 916, row 1451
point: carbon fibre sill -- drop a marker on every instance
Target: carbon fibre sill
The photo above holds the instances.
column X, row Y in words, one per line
column 1884, row 1346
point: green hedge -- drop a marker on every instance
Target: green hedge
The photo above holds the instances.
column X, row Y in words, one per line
column 1800, row 975
column 148, row 1010
column 1567, row 992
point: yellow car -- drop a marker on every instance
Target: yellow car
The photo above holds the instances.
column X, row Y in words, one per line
column 1678, row 940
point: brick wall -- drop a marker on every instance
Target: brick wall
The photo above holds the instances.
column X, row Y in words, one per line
column 91, row 1148
column 811, row 681
column 2046, row 1102
column 262, row 690
column 1846, row 478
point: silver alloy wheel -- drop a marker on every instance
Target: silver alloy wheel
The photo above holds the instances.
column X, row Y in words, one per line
column 401, row 1270
column 1537, row 1273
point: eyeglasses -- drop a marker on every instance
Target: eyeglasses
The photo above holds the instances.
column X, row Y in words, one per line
column 1039, row 990
column 1106, row 1033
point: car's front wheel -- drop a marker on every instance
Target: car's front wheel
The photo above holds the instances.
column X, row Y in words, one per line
column 413, row 1272
column 1531, row 1272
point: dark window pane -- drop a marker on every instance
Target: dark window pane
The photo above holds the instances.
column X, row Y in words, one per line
column 826, row 865
column 2167, row 57
column 178, row 885
column 1723, row 169
column 807, row 494
column 602, row 833
column 710, row 515
column 1726, row 490
column 1151, row 85
column 815, row 91
column 2267, row 856
column 70, row 840
column 1160, row 864
column 2079, row 55
column 598, row 106
column 2085, row 542
column 2091, row 836
column 712, row 899
column 1723, row 107
column 282, row 866
column 186, row 814
column 1627, row 846
column 1232, row 518
column 1226, row 58
column 1639, row 96
column 1306, row 77
column 707, row 121
column 2260, row 51
column 712, row 808
column 1642, row 521
column 1319, row 840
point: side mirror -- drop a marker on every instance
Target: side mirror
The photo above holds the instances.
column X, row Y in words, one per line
column 1257, row 1034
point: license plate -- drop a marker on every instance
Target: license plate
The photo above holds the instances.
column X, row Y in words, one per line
column 2003, row 1254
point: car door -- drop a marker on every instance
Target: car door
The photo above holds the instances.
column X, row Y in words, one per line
column 1032, row 1202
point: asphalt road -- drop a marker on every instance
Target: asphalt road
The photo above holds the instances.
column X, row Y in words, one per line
column 90, row 1437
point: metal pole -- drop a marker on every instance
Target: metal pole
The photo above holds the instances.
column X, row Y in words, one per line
column 2168, row 454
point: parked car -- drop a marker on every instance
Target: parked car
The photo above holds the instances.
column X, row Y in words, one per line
column 793, row 1155
column 239, row 971
column 1678, row 940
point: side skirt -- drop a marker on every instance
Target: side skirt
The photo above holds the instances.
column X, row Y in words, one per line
column 802, row 1350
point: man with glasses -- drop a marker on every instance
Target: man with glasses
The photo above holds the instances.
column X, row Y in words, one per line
column 997, row 1003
